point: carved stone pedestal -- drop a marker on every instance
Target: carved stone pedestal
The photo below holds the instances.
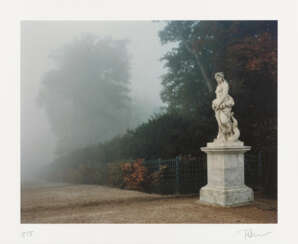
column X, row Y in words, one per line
column 225, row 163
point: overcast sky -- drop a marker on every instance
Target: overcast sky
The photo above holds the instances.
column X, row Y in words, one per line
column 39, row 38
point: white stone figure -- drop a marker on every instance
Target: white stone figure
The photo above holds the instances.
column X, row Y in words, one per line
column 227, row 124
column 225, row 156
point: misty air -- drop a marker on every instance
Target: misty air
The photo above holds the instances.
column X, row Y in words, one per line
column 139, row 121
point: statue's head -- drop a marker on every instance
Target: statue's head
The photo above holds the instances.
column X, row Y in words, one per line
column 219, row 76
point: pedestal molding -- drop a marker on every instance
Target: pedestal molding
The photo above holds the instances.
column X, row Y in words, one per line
column 226, row 149
column 226, row 185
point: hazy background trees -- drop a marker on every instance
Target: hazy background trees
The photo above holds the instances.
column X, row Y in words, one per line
column 86, row 94
column 43, row 45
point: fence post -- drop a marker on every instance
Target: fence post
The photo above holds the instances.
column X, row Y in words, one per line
column 177, row 174
column 260, row 169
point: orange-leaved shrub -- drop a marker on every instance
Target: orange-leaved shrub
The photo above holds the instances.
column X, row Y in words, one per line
column 134, row 175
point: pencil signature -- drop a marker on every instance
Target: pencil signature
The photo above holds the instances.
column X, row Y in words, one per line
column 249, row 233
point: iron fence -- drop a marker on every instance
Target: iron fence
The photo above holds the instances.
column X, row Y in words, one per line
column 186, row 175
column 180, row 175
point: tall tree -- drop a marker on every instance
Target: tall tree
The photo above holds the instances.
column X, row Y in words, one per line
column 86, row 94
column 246, row 51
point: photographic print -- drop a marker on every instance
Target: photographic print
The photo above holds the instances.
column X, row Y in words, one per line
column 149, row 122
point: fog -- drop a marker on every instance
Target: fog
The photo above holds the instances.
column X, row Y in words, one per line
column 39, row 39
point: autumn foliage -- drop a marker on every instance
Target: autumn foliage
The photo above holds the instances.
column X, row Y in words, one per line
column 256, row 54
column 134, row 174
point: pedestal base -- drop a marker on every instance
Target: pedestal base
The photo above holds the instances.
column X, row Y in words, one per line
column 226, row 187
column 226, row 197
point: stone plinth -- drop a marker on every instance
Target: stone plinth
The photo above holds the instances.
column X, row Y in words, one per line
column 225, row 163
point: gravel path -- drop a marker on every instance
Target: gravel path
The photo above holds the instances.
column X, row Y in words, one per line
column 98, row 204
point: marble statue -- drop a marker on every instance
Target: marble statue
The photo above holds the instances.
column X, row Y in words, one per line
column 225, row 155
column 222, row 105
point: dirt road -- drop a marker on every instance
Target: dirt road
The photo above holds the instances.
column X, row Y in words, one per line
column 98, row 204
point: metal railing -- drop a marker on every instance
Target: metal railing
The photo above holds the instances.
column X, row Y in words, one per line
column 186, row 175
column 179, row 175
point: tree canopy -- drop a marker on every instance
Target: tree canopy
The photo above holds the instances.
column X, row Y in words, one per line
column 246, row 51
